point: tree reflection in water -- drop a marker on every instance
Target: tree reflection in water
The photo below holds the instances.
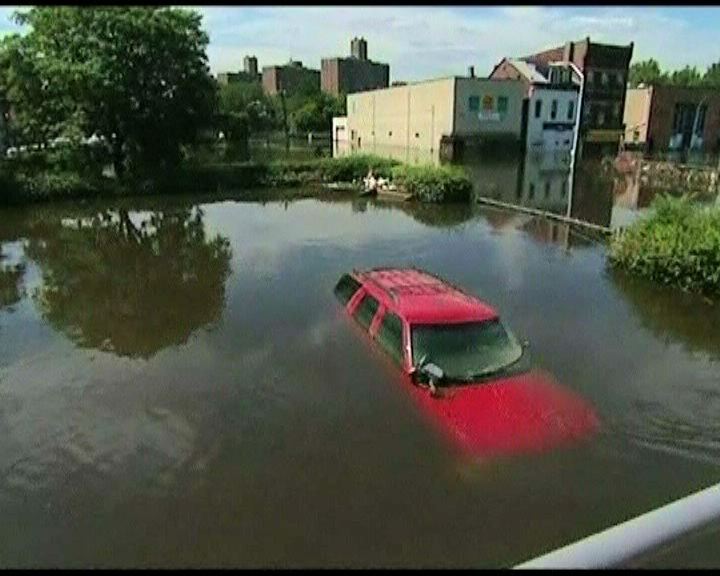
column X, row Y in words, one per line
column 131, row 284
column 673, row 315
column 10, row 284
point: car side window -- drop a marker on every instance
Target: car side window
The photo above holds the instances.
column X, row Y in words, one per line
column 346, row 287
column 366, row 310
column 389, row 336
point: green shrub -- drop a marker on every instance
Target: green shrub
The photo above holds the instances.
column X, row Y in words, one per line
column 355, row 167
column 679, row 245
column 436, row 184
column 54, row 185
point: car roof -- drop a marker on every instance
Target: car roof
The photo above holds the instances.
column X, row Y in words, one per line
column 422, row 298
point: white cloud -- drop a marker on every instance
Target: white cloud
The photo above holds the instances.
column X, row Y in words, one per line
column 420, row 42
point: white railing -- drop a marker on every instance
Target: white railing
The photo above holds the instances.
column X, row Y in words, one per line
column 613, row 547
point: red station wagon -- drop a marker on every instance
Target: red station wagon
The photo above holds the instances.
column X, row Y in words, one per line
column 467, row 372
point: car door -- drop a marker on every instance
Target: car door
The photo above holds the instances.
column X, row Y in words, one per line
column 389, row 336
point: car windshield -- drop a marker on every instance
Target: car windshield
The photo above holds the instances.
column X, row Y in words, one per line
column 466, row 351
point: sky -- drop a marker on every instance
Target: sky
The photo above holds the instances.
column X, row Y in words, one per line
column 431, row 41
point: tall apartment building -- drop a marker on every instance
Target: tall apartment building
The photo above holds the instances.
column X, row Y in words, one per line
column 605, row 70
column 353, row 74
column 249, row 73
column 291, row 77
column 250, row 65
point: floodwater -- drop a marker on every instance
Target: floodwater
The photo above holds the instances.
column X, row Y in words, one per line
column 179, row 387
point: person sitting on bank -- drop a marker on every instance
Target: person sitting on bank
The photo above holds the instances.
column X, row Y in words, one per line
column 370, row 182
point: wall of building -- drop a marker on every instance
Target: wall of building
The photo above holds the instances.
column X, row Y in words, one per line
column 492, row 119
column 546, row 132
column 289, row 78
column 350, row 75
column 224, row 78
column 414, row 116
column 662, row 112
column 637, row 115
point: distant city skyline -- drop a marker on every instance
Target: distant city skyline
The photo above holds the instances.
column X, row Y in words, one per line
column 425, row 41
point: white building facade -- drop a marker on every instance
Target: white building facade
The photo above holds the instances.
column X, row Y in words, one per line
column 552, row 118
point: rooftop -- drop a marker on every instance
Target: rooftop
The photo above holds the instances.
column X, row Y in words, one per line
column 529, row 71
column 423, row 298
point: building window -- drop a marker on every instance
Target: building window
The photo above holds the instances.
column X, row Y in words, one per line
column 417, row 134
column 502, row 104
column 590, row 78
column 547, row 190
column 604, row 78
column 601, row 117
column 553, row 110
column 538, row 108
column 390, row 134
column 618, row 113
column 587, row 112
column 474, row 103
column 531, row 191
column 620, row 79
column 571, row 110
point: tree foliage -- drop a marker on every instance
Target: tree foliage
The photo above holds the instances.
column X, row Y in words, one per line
column 648, row 72
column 135, row 76
column 247, row 100
column 315, row 114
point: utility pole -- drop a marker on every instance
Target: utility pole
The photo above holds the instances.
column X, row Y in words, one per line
column 285, row 120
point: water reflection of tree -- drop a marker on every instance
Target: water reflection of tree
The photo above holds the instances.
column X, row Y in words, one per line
column 10, row 284
column 435, row 215
column 133, row 285
column 673, row 315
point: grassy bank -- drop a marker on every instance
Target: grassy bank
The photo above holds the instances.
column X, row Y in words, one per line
column 41, row 182
column 678, row 245
column 434, row 184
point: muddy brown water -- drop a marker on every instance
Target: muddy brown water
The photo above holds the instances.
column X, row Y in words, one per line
column 178, row 387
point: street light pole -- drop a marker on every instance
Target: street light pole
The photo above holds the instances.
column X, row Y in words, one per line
column 573, row 152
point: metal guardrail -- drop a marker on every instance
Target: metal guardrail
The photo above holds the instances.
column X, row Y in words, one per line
column 612, row 547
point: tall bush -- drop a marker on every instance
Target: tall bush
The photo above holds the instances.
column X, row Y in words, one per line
column 679, row 245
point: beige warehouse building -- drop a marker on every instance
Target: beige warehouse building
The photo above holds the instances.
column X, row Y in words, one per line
column 421, row 115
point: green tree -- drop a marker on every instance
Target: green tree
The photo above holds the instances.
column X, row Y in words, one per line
column 645, row 72
column 136, row 76
column 248, row 98
column 711, row 78
column 688, row 77
column 317, row 112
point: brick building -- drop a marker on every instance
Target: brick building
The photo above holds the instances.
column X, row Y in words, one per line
column 292, row 77
column 673, row 118
column 353, row 74
column 605, row 69
column 249, row 73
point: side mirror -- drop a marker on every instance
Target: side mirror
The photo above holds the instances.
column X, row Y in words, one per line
column 433, row 371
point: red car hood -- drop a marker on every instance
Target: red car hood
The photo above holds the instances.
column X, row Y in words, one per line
column 529, row 412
